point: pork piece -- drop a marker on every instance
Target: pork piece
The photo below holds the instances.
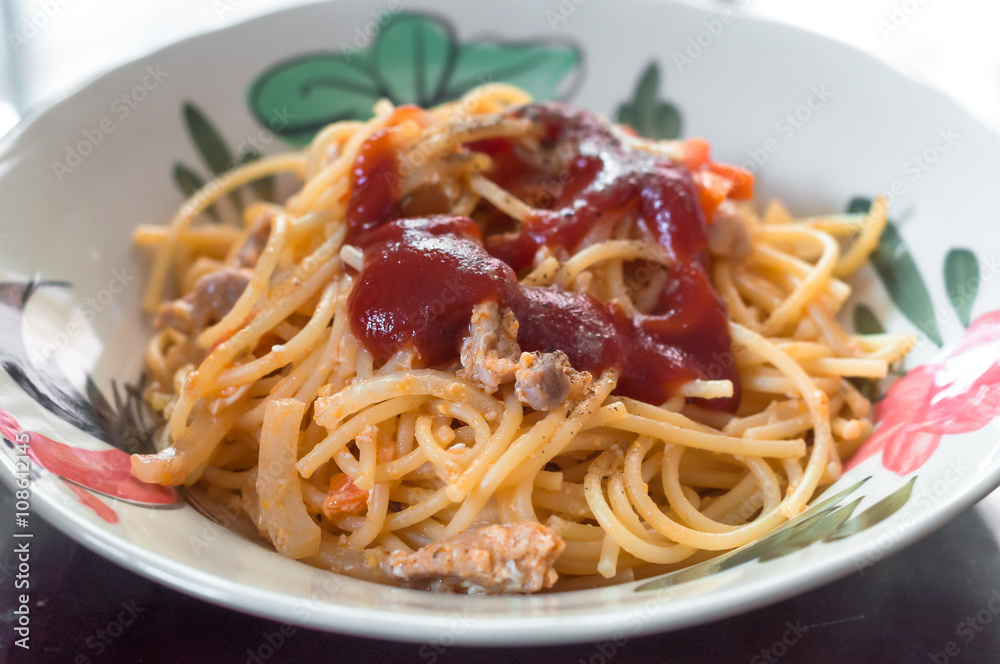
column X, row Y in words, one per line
column 213, row 296
column 178, row 355
column 253, row 246
column 728, row 236
column 493, row 560
column 546, row 380
column 490, row 352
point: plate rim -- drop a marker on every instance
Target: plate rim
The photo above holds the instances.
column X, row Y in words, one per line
column 482, row 631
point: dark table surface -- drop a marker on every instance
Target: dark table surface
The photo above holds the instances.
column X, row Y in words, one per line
column 935, row 601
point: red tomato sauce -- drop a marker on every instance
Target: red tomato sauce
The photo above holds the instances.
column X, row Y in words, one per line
column 423, row 276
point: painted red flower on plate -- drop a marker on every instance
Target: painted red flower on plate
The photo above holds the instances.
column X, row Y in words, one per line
column 107, row 471
column 958, row 394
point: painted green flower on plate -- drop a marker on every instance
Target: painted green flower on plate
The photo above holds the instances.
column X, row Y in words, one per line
column 415, row 59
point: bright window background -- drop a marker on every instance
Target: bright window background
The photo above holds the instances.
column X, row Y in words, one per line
column 54, row 45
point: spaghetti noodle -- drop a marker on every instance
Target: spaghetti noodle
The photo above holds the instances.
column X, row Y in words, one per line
column 496, row 343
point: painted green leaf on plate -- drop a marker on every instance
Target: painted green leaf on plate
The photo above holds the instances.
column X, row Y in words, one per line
column 428, row 47
column 646, row 113
column 866, row 322
column 218, row 158
column 826, row 521
column 189, row 182
column 875, row 514
column 210, row 144
column 264, row 187
column 900, row 276
column 961, row 280
column 415, row 59
column 811, row 531
column 541, row 70
column 313, row 91
column 814, row 525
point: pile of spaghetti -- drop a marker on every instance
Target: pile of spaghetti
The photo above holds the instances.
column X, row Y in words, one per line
column 497, row 343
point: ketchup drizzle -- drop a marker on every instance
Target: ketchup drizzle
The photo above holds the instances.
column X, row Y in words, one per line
column 423, row 276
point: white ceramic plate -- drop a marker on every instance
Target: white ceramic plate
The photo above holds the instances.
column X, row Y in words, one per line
column 819, row 122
